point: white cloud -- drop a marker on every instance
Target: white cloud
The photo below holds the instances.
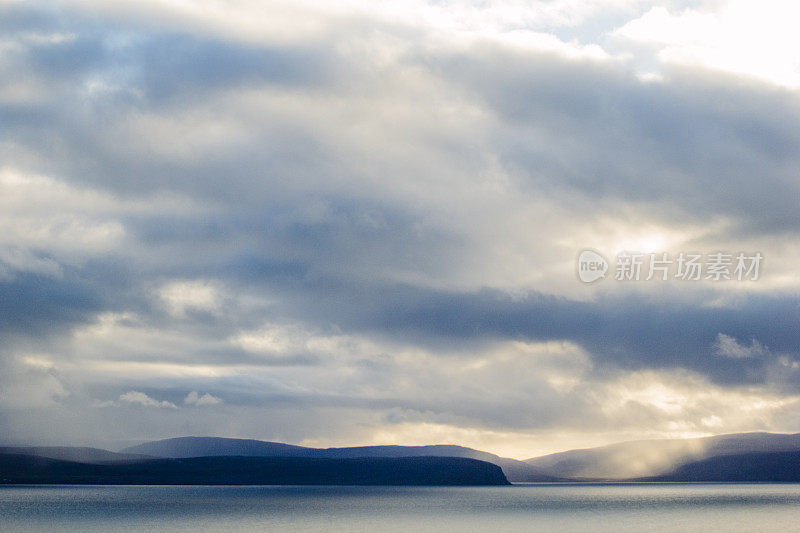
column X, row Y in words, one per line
column 140, row 398
column 293, row 339
column 521, row 23
column 193, row 398
column 38, row 212
column 727, row 346
column 182, row 296
column 754, row 38
column 31, row 382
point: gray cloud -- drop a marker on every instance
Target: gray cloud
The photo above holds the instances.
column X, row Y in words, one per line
column 691, row 147
column 366, row 213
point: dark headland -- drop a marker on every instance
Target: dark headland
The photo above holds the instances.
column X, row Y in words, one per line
column 236, row 470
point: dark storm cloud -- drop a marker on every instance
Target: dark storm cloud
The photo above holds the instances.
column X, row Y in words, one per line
column 160, row 64
column 630, row 332
column 607, row 134
column 693, row 146
column 99, row 76
column 34, row 305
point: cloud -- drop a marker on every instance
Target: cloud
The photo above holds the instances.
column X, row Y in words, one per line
column 31, row 382
column 739, row 36
column 727, row 346
column 183, row 296
column 193, row 398
column 140, row 398
column 361, row 222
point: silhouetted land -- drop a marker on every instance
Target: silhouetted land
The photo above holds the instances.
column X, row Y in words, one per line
column 514, row 470
column 27, row 469
column 653, row 458
column 744, row 457
column 754, row 467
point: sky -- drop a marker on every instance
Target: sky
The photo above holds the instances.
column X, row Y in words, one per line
column 357, row 222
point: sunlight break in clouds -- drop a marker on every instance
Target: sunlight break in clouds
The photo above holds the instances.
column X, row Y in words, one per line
column 754, row 38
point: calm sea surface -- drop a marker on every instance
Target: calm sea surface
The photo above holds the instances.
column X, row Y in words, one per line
column 553, row 508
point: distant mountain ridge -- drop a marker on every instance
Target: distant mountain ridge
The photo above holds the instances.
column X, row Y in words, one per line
column 76, row 454
column 184, row 447
column 735, row 457
column 639, row 459
column 761, row 467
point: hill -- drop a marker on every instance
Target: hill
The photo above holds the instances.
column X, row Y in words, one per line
column 649, row 458
column 183, row 447
column 77, row 454
column 27, row 469
column 751, row 467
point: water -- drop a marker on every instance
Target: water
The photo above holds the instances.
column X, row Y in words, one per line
column 545, row 507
